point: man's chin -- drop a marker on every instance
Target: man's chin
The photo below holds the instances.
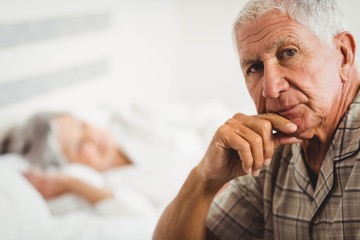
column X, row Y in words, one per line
column 304, row 134
column 305, row 127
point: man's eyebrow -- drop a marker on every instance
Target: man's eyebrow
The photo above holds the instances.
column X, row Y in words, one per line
column 279, row 42
column 268, row 49
column 248, row 61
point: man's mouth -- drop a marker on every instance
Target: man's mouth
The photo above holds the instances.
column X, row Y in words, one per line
column 286, row 110
column 290, row 112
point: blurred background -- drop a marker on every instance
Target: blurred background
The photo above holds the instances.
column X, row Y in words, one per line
column 66, row 53
column 81, row 55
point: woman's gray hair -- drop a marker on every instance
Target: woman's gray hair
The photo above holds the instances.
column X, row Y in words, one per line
column 37, row 140
column 323, row 17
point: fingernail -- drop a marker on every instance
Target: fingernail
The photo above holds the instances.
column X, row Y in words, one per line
column 267, row 162
column 290, row 126
column 256, row 173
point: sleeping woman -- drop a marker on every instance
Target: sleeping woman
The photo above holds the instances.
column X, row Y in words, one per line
column 132, row 165
column 53, row 141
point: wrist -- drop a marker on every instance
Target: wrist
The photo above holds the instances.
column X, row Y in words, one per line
column 208, row 185
column 67, row 183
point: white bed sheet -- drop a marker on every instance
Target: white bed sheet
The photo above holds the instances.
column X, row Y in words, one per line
column 165, row 142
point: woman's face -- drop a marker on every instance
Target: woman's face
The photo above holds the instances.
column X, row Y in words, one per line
column 83, row 143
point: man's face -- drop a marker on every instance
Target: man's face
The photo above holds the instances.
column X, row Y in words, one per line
column 289, row 71
column 83, row 143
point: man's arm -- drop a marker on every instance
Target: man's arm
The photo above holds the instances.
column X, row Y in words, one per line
column 188, row 209
column 241, row 146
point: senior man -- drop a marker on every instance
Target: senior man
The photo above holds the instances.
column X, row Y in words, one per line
column 295, row 164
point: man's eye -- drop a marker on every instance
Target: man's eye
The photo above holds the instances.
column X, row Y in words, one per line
column 288, row 53
column 256, row 67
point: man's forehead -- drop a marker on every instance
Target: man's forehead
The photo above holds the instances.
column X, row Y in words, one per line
column 273, row 23
column 249, row 52
column 270, row 18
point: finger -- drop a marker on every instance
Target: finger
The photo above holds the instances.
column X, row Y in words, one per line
column 235, row 142
column 245, row 156
column 253, row 139
column 264, row 128
column 279, row 123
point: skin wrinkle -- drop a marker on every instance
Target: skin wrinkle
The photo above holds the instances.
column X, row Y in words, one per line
column 268, row 25
column 283, row 41
column 287, row 40
column 276, row 44
column 272, row 33
column 295, row 79
column 273, row 19
column 268, row 48
column 261, row 30
column 280, row 99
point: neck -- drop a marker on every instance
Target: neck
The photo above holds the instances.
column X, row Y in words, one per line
column 314, row 153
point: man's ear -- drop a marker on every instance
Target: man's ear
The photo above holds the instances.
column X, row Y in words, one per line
column 346, row 47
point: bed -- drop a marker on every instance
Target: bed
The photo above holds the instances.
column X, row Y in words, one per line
column 167, row 145
column 56, row 56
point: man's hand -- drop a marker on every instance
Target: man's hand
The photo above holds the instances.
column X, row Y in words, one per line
column 244, row 144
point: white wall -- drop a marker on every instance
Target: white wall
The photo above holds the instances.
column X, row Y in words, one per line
column 209, row 67
column 350, row 9
column 179, row 50
column 161, row 50
column 42, row 49
column 145, row 48
column 182, row 50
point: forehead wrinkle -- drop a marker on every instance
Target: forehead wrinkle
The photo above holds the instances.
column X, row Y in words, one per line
column 260, row 30
column 288, row 28
column 269, row 48
column 278, row 42
column 269, row 24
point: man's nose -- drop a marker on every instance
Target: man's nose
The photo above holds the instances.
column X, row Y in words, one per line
column 274, row 81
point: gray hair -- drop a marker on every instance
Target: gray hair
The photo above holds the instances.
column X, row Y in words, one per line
column 323, row 17
column 37, row 140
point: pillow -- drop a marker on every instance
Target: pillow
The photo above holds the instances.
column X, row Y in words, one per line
column 23, row 211
column 13, row 161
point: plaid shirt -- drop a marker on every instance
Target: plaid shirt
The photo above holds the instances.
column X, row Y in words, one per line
column 282, row 204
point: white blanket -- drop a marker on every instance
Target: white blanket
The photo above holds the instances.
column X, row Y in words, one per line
column 164, row 143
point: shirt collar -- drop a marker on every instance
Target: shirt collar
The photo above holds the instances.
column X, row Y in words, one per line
column 347, row 135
